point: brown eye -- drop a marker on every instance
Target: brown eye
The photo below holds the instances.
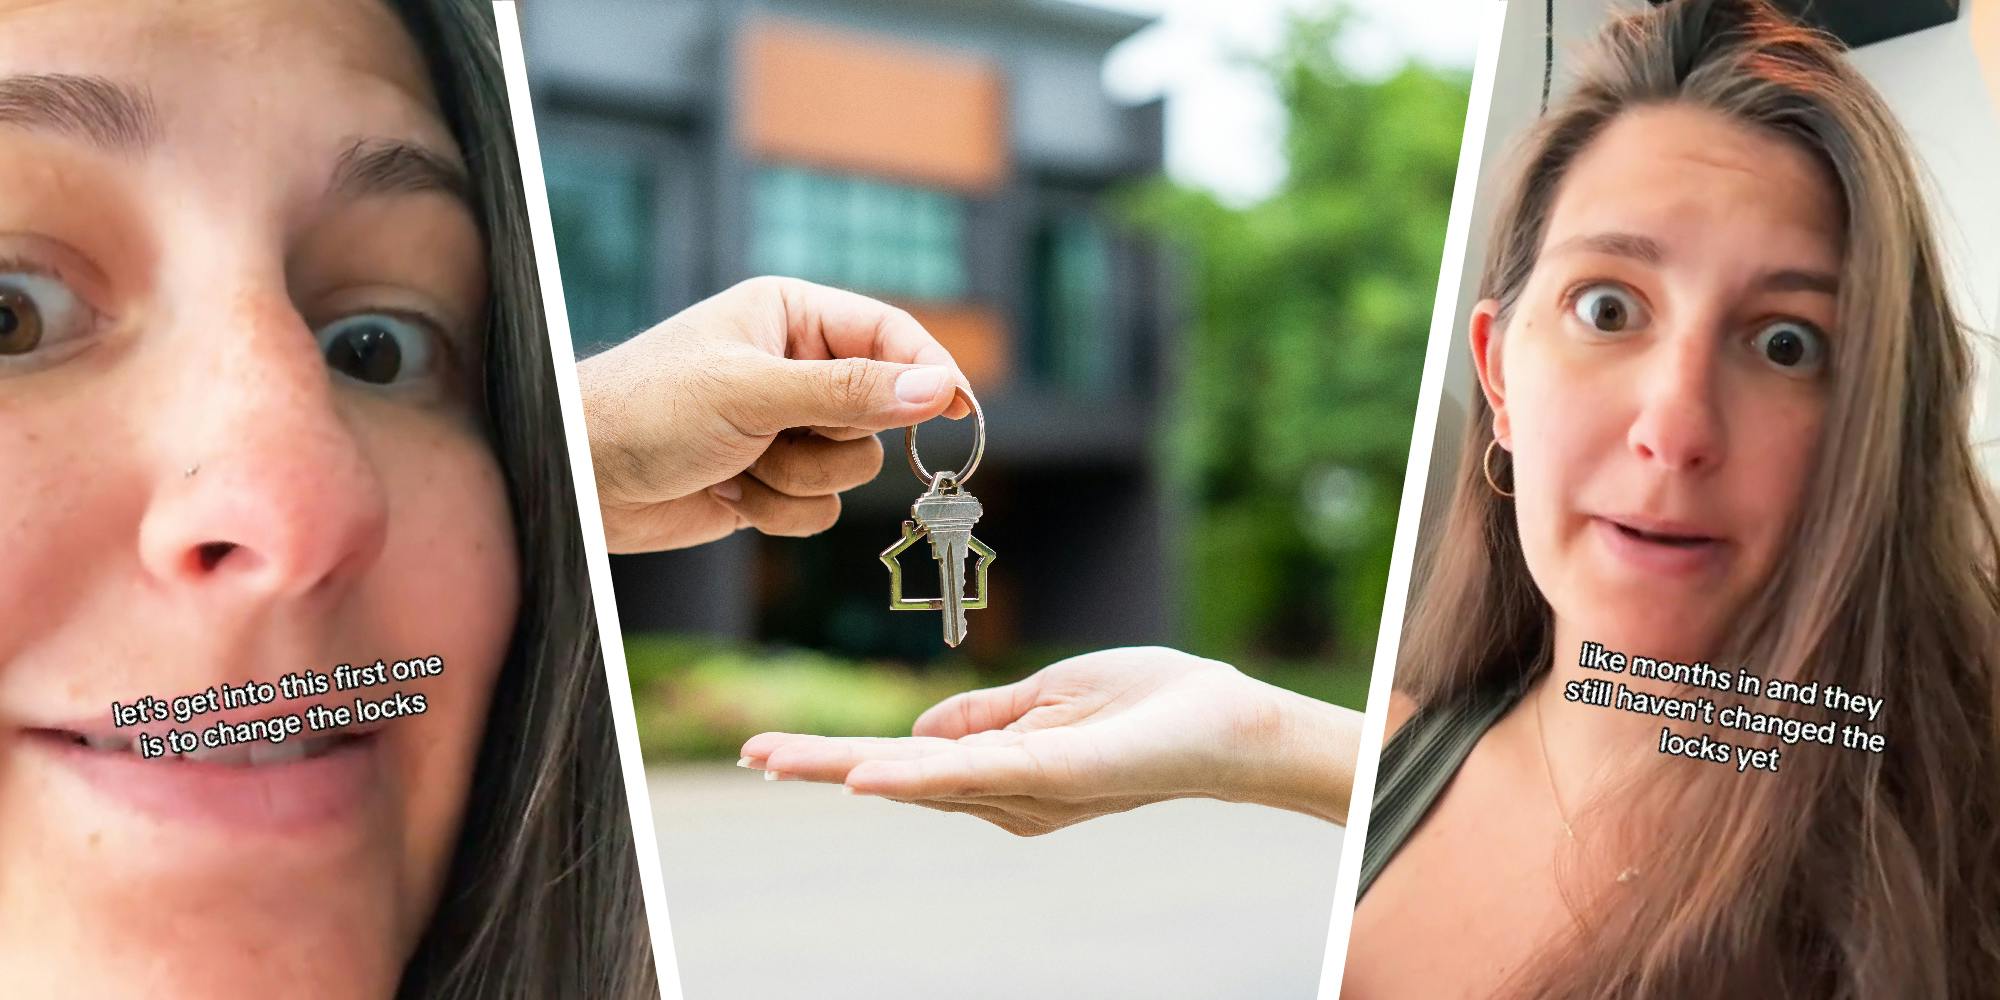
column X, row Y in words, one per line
column 1609, row 309
column 20, row 322
column 377, row 348
column 1792, row 347
column 37, row 313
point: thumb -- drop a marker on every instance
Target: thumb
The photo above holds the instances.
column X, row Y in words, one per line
column 845, row 392
column 976, row 711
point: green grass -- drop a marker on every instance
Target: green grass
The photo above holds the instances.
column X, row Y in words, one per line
column 702, row 700
column 699, row 699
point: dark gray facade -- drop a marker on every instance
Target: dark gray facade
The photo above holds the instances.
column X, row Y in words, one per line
column 654, row 194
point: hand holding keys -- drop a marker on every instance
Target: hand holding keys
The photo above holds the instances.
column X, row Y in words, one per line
column 944, row 514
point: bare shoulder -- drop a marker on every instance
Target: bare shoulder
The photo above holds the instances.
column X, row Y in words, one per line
column 1401, row 707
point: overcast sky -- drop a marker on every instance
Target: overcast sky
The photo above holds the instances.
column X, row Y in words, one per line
column 1223, row 128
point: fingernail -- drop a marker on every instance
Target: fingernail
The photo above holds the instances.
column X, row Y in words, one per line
column 730, row 491
column 847, row 789
column 920, row 385
column 745, row 762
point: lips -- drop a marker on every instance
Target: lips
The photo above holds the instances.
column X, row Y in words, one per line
column 318, row 783
column 260, row 753
column 1681, row 538
column 1659, row 546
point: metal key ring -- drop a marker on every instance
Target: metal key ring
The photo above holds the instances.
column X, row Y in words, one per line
column 978, row 445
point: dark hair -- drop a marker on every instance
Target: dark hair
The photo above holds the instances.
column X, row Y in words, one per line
column 543, row 896
column 1853, row 874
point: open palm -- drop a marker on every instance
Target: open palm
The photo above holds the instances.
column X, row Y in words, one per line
column 1091, row 735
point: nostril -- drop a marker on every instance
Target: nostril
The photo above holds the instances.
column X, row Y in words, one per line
column 212, row 553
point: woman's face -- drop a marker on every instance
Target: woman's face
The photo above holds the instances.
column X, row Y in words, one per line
column 1663, row 377
column 241, row 296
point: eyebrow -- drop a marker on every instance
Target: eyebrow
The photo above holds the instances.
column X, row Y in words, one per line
column 105, row 113
column 1793, row 280
column 1644, row 249
column 123, row 118
column 1647, row 250
column 392, row 166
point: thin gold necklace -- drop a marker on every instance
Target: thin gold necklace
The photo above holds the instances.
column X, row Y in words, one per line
column 1542, row 741
column 1555, row 794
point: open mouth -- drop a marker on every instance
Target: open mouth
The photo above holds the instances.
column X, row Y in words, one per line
column 1677, row 539
column 261, row 753
column 298, row 783
column 1654, row 546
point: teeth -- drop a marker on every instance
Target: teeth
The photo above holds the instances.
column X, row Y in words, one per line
column 257, row 754
column 98, row 741
column 237, row 755
column 277, row 753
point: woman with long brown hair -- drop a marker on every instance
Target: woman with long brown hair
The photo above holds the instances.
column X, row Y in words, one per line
column 278, row 397
column 1724, row 419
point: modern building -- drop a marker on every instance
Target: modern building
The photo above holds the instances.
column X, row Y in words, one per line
column 957, row 157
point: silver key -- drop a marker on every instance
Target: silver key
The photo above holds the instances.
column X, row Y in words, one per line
column 946, row 514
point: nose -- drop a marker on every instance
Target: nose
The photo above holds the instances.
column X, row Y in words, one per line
column 1678, row 424
column 264, row 492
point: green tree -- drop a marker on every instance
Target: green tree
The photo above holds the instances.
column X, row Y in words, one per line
column 1309, row 313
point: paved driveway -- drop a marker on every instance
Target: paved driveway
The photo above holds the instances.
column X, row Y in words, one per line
column 782, row 890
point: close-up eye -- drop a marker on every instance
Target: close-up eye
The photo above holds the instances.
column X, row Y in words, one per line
column 379, row 348
column 38, row 312
column 1609, row 309
column 1791, row 346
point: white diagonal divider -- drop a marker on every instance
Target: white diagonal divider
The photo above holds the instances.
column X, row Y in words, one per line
column 1416, row 476
column 617, row 684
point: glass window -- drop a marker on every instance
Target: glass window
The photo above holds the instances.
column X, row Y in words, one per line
column 601, row 204
column 1071, row 344
column 857, row 232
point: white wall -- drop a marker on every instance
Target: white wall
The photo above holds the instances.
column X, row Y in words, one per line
column 1933, row 81
column 1517, row 100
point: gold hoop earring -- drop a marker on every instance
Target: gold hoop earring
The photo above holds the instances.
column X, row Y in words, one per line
column 1486, row 466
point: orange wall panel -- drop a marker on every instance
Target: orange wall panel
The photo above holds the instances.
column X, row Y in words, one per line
column 843, row 101
column 976, row 338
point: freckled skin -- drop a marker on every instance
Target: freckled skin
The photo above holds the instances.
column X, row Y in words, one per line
column 363, row 521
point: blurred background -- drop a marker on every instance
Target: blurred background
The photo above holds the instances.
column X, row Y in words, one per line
column 1187, row 254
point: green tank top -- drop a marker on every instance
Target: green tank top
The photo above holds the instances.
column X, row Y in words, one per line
column 1420, row 760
